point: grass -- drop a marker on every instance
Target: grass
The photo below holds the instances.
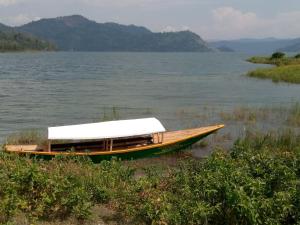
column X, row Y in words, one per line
column 26, row 137
column 256, row 182
column 243, row 114
column 294, row 115
column 287, row 69
column 275, row 61
column 290, row 74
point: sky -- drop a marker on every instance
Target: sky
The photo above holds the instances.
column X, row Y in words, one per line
column 211, row 19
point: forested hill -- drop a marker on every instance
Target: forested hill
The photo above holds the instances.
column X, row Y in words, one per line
column 76, row 33
column 4, row 27
column 11, row 41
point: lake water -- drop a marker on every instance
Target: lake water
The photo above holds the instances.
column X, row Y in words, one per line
column 48, row 89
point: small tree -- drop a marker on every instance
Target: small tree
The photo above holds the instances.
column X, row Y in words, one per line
column 277, row 55
column 297, row 56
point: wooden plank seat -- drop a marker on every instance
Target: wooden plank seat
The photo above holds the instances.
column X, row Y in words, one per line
column 103, row 145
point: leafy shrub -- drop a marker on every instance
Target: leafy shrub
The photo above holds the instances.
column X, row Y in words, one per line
column 40, row 192
column 56, row 189
column 256, row 183
column 297, row 56
column 277, row 55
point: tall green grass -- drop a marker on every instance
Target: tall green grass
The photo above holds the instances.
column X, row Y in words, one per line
column 294, row 115
column 26, row 137
column 275, row 61
column 290, row 73
column 287, row 69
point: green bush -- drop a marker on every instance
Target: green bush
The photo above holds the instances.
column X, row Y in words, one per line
column 297, row 56
column 277, row 55
column 40, row 190
column 58, row 188
column 256, row 182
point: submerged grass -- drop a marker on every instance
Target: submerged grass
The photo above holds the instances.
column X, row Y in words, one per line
column 294, row 115
column 287, row 115
column 26, row 137
column 256, row 182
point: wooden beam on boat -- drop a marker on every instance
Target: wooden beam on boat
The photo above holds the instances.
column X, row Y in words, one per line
column 49, row 146
column 111, row 144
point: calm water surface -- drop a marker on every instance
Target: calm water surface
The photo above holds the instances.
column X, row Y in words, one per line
column 47, row 89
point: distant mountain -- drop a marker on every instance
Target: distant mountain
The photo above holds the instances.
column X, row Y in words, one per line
column 15, row 41
column 264, row 46
column 294, row 47
column 225, row 49
column 4, row 27
column 76, row 33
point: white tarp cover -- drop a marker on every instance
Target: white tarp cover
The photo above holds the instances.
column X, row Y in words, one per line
column 103, row 130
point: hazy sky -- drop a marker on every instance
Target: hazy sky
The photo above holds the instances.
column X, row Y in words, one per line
column 211, row 19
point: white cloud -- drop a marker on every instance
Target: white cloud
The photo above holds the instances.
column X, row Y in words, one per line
column 116, row 2
column 124, row 3
column 230, row 17
column 169, row 29
column 19, row 19
column 230, row 23
column 174, row 29
column 9, row 2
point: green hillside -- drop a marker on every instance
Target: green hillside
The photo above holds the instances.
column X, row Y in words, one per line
column 76, row 33
column 11, row 41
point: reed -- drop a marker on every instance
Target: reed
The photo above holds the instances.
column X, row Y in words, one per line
column 294, row 115
column 26, row 137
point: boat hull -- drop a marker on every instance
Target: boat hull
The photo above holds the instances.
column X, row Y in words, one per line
column 173, row 142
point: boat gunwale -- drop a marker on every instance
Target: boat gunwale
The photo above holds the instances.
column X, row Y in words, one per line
column 124, row 151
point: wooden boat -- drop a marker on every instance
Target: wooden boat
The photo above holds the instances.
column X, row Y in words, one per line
column 125, row 139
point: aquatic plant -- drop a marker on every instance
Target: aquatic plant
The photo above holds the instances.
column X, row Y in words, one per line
column 31, row 136
column 294, row 115
column 112, row 113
